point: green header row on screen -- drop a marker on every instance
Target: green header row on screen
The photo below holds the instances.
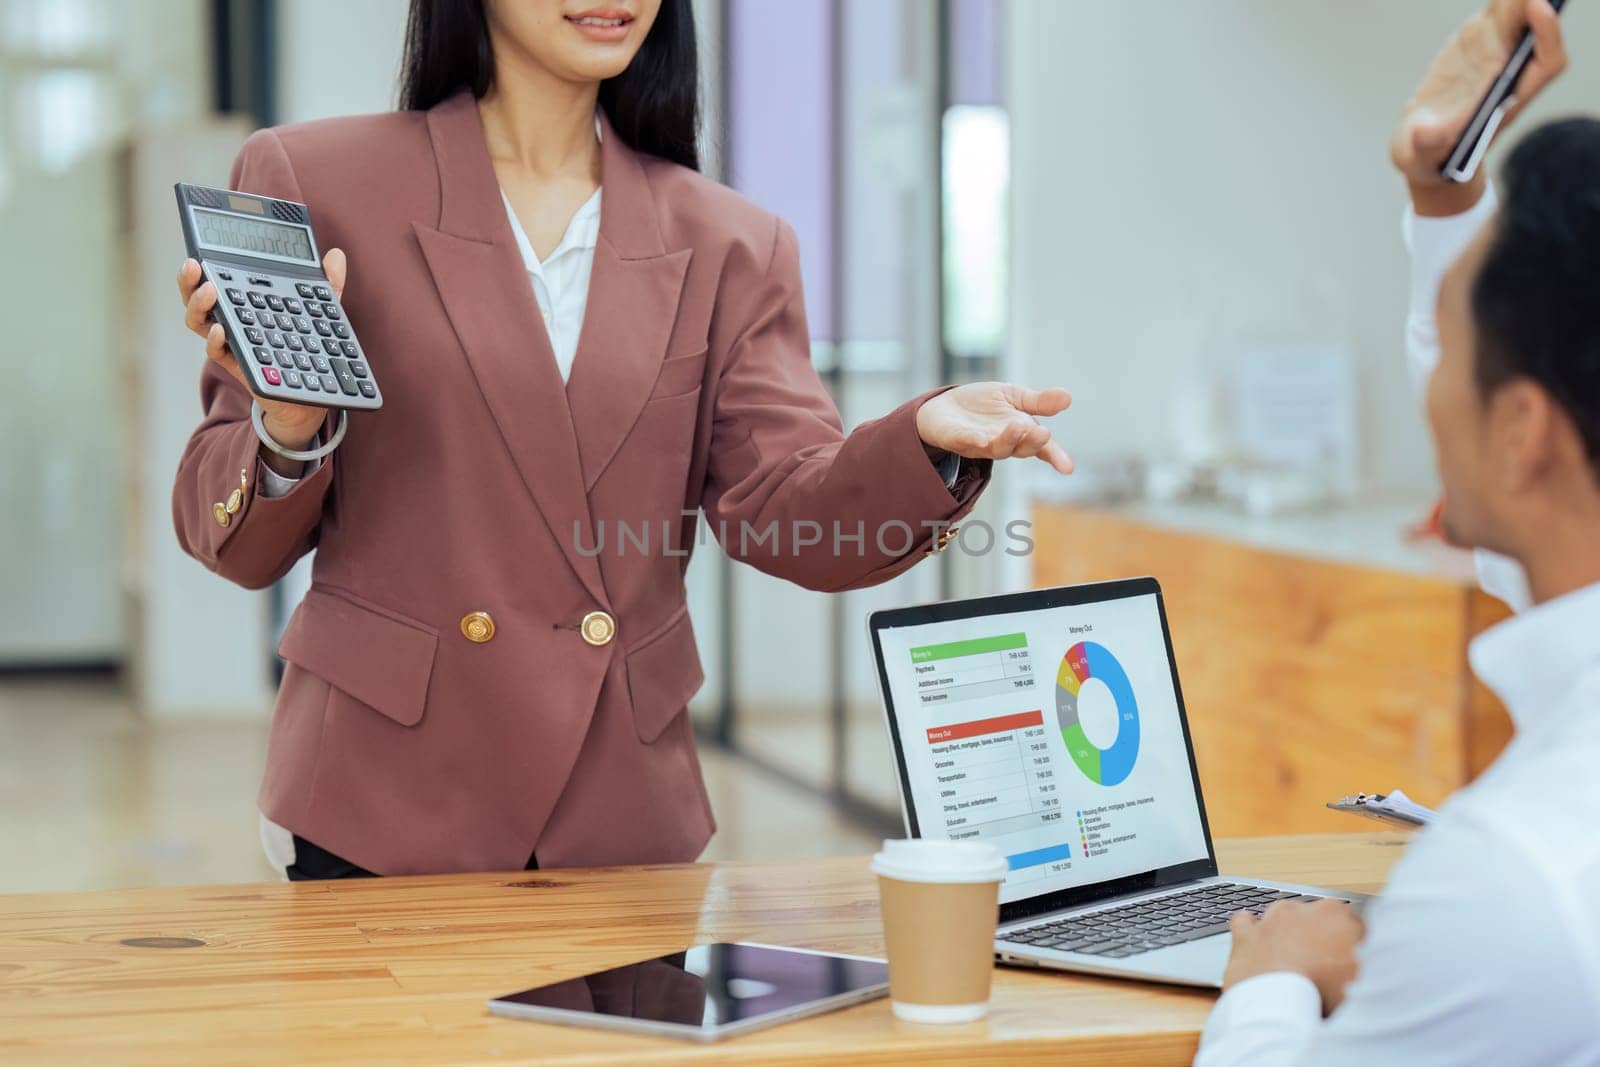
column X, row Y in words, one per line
column 953, row 649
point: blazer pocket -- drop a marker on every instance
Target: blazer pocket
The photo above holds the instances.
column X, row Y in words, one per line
column 679, row 375
column 376, row 656
column 663, row 674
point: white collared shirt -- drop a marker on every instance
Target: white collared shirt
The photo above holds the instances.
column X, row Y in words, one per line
column 561, row 280
column 1485, row 946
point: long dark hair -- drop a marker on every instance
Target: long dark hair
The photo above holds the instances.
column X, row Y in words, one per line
column 654, row 105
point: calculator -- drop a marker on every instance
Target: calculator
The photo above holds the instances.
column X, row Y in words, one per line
column 285, row 326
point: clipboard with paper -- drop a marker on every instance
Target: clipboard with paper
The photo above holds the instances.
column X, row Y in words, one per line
column 1393, row 808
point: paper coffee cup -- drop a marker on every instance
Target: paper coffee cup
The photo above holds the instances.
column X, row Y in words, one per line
column 941, row 905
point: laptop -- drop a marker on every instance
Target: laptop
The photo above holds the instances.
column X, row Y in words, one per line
column 1051, row 725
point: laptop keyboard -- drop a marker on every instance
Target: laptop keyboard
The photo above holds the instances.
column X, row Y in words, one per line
column 1155, row 923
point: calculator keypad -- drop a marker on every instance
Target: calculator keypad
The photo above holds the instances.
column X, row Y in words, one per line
column 298, row 343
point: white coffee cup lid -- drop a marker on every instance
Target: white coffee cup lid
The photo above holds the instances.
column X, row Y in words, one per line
column 929, row 860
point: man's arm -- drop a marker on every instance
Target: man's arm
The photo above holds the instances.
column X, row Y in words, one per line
column 1464, row 964
column 1434, row 241
column 1444, row 216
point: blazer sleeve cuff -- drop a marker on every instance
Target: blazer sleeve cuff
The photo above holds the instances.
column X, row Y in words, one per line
column 933, row 497
column 916, row 494
column 253, row 537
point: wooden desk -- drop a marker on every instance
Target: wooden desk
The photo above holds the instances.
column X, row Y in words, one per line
column 397, row 971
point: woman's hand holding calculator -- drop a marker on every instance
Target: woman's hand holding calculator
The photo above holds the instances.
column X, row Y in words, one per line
column 293, row 426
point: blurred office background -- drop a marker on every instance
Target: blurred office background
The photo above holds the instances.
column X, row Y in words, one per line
column 1186, row 217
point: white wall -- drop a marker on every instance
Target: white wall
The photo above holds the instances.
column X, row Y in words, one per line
column 338, row 58
column 76, row 81
column 1192, row 175
column 61, row 498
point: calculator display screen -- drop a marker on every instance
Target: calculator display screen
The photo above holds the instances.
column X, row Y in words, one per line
column 233, row 233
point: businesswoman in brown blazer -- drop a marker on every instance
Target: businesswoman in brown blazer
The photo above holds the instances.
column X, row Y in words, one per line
column 481, row 677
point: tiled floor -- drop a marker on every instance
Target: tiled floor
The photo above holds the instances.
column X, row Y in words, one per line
column 94, row 796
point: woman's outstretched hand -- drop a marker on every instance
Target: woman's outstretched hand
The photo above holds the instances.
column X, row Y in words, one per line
column 995, row 420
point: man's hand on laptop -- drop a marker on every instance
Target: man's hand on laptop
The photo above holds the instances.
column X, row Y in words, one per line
column 1316, row 939
column 1439, row 110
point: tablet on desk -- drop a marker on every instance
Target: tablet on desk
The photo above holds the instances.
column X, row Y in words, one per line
column 705, row 993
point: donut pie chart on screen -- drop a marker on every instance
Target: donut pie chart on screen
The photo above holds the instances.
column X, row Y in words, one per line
column 1083, row 661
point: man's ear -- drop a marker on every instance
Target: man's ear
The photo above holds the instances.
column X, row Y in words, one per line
column 1524, row 424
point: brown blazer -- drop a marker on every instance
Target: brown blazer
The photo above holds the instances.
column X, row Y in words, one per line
column 399, row 743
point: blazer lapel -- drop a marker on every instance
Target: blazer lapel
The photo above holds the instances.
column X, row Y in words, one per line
column 633, row 305
column 484, row 287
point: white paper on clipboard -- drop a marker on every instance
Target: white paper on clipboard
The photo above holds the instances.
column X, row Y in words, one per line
column 1394, row 808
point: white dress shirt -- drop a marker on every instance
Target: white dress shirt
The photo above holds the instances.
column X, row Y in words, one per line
column 1485, row 946
column 561, row 281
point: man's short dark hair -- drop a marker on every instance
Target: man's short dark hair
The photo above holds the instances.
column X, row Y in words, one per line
column 1536, row 300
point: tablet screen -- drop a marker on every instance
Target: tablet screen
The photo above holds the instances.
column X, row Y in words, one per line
column 705, row 988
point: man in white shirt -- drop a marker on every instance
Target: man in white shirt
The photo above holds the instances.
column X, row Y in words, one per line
column 1485, row 947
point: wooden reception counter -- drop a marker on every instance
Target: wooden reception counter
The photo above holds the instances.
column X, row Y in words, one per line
column 1320, row 654
column 397, row 971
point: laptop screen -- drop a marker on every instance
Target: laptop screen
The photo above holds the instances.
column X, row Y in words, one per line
column 1050, row 730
